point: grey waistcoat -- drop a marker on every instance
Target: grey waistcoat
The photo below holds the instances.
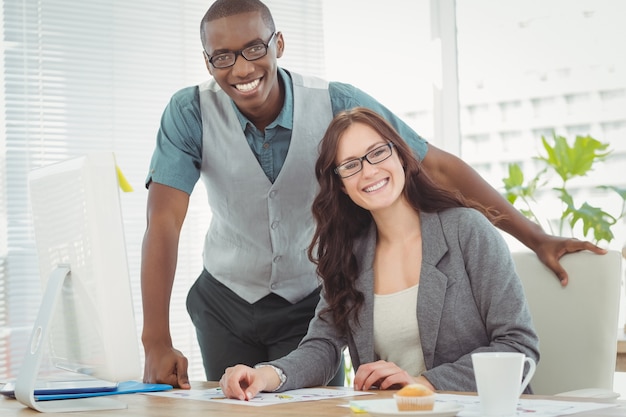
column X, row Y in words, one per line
column 256, row 243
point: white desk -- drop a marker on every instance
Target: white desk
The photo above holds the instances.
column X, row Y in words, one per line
column 142, row 405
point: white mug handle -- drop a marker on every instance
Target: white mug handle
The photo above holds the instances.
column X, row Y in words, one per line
column 531, row 371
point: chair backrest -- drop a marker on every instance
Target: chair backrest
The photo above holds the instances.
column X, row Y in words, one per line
column 577, row 324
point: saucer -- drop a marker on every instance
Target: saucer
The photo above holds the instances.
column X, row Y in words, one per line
column 388, row 408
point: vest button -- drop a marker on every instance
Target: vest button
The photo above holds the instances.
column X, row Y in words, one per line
column 275, row 224
column 273, row 193
column 277, row 259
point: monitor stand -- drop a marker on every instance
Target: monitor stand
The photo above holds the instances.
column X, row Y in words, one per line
column 27, row 377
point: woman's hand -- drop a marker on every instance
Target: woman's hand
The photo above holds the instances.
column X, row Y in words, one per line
column 385, row 375
column 242, row 382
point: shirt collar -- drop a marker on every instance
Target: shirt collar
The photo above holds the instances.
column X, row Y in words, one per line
column 285, row 117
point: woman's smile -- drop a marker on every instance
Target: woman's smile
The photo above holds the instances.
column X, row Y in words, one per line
column 377, row 186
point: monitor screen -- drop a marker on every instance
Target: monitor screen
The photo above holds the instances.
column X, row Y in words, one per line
column 80, row 243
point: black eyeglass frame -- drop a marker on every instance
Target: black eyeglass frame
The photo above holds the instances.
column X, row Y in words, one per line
column 365, row 158
column 241, row 52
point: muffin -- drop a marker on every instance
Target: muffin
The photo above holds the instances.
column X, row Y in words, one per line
column 415, row 397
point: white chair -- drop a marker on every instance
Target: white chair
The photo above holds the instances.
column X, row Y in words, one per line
column 577, row 324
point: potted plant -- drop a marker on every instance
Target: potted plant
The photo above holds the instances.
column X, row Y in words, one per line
column 563, row 163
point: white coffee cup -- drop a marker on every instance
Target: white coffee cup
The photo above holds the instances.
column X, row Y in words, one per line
column 499, row 380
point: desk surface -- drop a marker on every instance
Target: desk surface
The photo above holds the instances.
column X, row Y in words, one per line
column 141, row 405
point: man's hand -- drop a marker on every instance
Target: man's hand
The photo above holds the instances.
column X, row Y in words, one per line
column 452, row 173
column 242, row 382
column 550, row 249
column 165, row 365
column 384, row 375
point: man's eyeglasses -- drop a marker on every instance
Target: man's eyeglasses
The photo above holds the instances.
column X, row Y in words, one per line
column 250, row 53
column 354, row 166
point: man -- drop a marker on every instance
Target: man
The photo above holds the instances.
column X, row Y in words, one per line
column 251, row 134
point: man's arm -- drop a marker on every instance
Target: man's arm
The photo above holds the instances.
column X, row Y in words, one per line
column 166, row 211
column 451, row 172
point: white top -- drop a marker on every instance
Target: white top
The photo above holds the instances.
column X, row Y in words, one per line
column 396, row 331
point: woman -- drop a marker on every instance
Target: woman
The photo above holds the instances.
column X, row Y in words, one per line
column 415, row 278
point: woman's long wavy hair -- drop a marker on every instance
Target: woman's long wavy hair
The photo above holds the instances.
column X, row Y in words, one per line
column 339, row 221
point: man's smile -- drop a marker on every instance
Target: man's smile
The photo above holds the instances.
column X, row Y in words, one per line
column 244, row 88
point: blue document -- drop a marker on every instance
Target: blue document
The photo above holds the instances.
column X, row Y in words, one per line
column 127, row 387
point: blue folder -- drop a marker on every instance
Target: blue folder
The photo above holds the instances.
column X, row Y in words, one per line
column 127, row 387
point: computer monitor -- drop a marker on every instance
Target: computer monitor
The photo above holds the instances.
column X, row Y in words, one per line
column 86, row 315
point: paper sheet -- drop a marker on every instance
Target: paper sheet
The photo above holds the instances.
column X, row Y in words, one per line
column 471, row 404
column 264, row 398
column 526, row 407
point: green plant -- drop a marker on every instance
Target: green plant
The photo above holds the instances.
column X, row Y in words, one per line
column 566, row 162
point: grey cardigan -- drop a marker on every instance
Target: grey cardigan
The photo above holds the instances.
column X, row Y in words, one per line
column 470, row 299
